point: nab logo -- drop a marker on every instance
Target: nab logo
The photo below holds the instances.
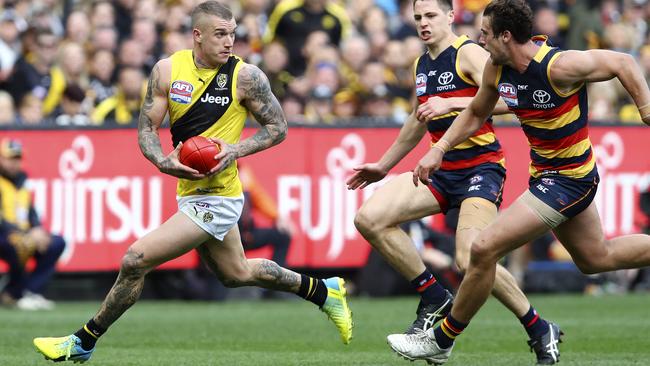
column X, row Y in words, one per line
column 181, row 92
column 445, row 78
column 541, row 96
column 207, row 98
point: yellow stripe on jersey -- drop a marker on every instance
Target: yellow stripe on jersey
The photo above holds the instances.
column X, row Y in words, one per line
column 569, row 152
column 450, row 114
column 457, row 44
column 578, row 172
column 499, row 72
column 480, row 140
column 543, row 50
column 554, row 123
column 555, row 88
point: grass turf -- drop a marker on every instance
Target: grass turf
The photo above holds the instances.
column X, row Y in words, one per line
column 610, row 330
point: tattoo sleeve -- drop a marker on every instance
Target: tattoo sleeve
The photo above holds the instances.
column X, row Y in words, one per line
column 126, row 290
column 264, row 106
column 148, row 137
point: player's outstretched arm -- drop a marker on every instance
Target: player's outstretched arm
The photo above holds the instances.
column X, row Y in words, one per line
column 573, row 68
column 152, row 114
column 465, row 124
column 409, row 136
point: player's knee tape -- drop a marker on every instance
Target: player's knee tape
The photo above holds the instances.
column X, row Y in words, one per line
column 546, row 213
column 475, row 213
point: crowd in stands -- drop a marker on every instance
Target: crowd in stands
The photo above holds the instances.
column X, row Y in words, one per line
column 85, row 62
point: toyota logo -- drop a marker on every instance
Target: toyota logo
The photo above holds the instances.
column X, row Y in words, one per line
column 445, row 78
column 541, row 96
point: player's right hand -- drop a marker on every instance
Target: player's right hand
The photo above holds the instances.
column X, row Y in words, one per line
column 172, row 166
column 365, row 175
column 429, row 163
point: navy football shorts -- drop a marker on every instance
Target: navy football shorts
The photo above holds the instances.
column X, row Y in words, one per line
column 451, row 187
column 568, row 196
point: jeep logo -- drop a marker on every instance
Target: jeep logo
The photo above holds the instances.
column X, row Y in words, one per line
column 207, row 98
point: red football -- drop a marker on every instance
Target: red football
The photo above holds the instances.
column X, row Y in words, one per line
column 198, row 152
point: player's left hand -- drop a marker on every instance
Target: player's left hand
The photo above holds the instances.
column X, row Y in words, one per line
column 429, row 163
column 433, row 107
column 227, row 154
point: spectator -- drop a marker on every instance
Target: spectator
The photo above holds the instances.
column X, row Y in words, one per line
column 35, row 73
column 177, row 19
column 102, row 67
column 9, row 42
column 71, row 112
column 22, row 237
column 104, row 38
column 319, row 108
column 132, row 55
column 144, row 33
column 355, row 52
column 77, row 27
column 406, row 26
column 174, row 42
column 72, row 61
column 102, row 15
column 274, row 61
column 546, row 22
column 7, row 110
column 122, row 108
column 30, row 111
column 346, row 105
column 291, row 22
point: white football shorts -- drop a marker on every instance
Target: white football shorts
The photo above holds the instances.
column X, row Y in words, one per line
column 214, row 214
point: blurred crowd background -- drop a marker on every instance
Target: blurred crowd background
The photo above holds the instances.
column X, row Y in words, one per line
column 85, row 63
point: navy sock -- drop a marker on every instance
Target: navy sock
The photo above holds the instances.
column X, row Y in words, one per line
column 429, row 289
column 447, row 331
column 89, row 334
column 312, row 289
column 535, row 326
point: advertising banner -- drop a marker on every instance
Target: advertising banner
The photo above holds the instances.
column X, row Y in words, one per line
column 96, row 189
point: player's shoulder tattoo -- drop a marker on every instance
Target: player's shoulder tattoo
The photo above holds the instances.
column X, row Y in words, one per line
column 253, row 82
column 257, row 95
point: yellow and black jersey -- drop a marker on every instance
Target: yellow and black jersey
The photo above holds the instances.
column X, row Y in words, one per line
column 204, row 102
column 16, row 209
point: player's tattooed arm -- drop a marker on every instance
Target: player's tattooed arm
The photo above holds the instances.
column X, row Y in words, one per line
column 152, row 114
column 256, row 95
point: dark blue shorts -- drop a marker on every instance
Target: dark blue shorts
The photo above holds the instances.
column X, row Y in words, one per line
column 452, row 187
column 568, row 196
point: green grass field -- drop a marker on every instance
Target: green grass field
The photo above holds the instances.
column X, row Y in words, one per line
column 611, row 330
